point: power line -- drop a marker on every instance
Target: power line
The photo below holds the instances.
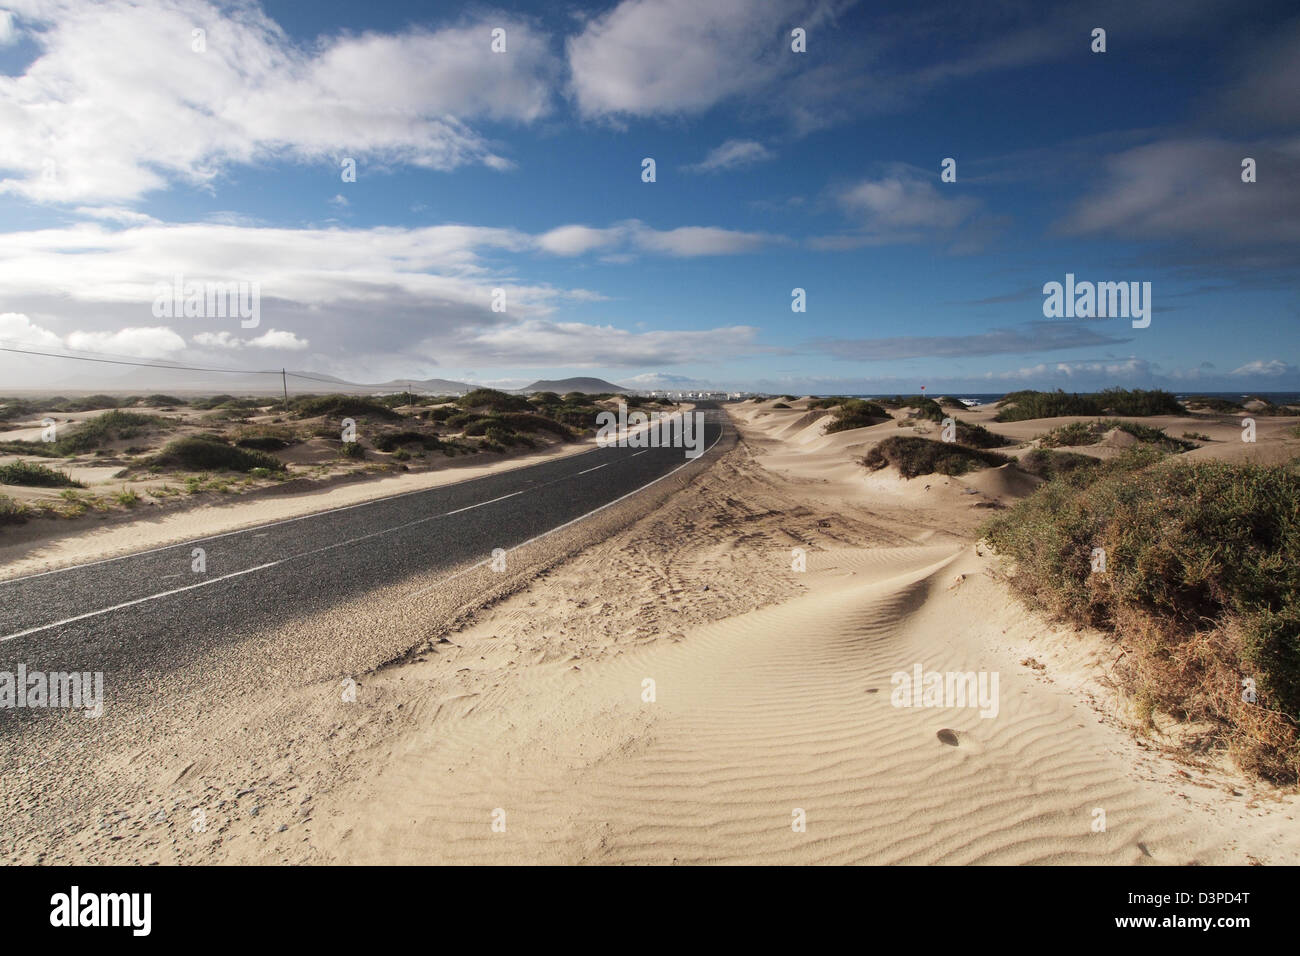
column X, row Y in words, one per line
column 108, row 361
column 97, row 357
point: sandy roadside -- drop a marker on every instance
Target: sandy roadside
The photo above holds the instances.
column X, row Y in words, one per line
column 771, row 703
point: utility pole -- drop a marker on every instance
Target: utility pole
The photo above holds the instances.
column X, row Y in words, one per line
column 284, row 381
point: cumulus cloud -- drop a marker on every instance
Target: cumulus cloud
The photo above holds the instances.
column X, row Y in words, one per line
column 733, row 154
column 364, row 296
column 19, row 331
column 577, row 240
column 137, row 342
column 119, row 102
column 903, row 205
column 655, row 57
column 270, row 339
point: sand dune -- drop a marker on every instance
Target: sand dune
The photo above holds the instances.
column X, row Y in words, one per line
column 773, row 704
column 786, row 710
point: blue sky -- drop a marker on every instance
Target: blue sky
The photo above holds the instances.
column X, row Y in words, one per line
column 130, row 157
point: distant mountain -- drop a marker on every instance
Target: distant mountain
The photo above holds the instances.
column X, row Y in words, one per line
column 438, row 386
column 562, row 385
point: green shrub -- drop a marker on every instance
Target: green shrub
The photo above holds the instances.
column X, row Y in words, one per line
column 977, row 436
column 1021, row 406
column 914, row 456
column 855, row 413
column 36, row 476
column 40, row 449
column 1139, row 402
column 395, row 440
column 1202, row 585
column 1051, row 464
column 89, row 404
column 1220, row 405
column 12, row 512
column 495, row 400
column 1154, row 436
column 212, row 401
column 343, row 406
column 353, row 450
column 205, row 453
column 264, row 442
column 1090, row 433
column 780, row 405
column 12, row 409
column 1072, row 435
column 502, row 435
column 99, row 431
column 531, row 422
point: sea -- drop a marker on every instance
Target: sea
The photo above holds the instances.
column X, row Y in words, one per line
column 983, row 398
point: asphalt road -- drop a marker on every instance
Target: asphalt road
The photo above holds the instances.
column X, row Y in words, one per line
column 262, row 576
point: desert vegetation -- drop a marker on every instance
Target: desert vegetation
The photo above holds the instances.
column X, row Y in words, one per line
column 1201, row 587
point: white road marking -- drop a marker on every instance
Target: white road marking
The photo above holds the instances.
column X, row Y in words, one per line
column 274, row 524
column 589, row 470
column 151, row 597
column 339, row 544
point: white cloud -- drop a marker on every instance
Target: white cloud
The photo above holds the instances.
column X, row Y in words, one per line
column 700, row 241
column 903, row 205
column 1193, row 189
column 270, row 339
column 217, row 340
column 8, row 33
column 118, row 103
column 576, row 240
column 361, row 297
column 1273, row 368
column 659, row 57
column 732, row 154
column 136, row 342
column 277, row 339
column 17, row 330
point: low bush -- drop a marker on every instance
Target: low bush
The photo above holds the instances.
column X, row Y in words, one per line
column 1202, row 587
column 36, row 476
column 856, row 413
column 205, row 453
column 914, row 456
